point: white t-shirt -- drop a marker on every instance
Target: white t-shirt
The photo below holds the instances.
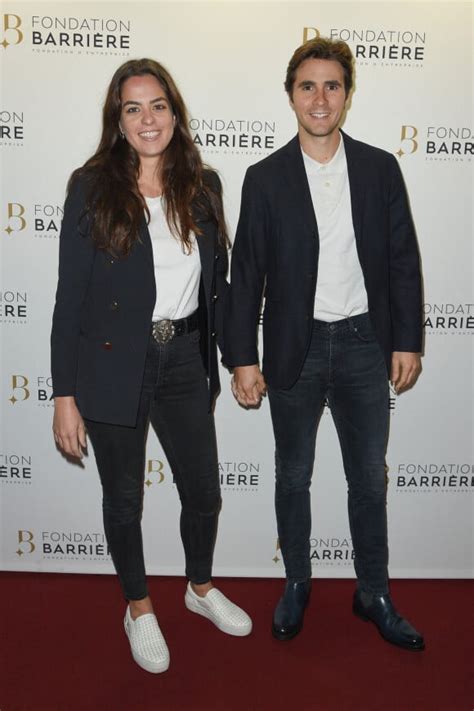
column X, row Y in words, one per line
column 177, row 274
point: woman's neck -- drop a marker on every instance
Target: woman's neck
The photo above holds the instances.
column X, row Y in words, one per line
column 149, row 180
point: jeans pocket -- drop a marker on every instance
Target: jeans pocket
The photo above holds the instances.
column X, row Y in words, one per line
column 194, row 337
column 363, row 331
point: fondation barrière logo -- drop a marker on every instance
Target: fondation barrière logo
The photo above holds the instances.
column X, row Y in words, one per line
column 448, row 143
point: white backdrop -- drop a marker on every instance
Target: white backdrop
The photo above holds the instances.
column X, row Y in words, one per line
column 413, row 97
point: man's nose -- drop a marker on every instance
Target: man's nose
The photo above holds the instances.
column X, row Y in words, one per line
column 319, row 96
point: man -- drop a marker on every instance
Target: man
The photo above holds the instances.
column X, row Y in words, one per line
column 325, row 226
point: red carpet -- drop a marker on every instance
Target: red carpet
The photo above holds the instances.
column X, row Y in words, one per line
column 63, row 649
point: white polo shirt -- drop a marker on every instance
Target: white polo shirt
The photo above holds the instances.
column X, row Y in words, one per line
column 340, row 289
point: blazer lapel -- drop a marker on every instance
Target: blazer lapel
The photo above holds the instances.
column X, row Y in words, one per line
column 206, row 246
column 206, row 252
column 147, row 247
column 356, row 172
column 298, row 185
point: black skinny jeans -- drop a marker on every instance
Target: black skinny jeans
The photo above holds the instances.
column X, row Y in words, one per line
column 175, row 400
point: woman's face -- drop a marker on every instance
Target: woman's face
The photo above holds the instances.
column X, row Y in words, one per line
column 146, row 118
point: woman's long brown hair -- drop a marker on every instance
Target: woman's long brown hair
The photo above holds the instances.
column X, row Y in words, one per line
column 115, row 204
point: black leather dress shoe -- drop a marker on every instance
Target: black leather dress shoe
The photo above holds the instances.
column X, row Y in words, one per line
column 289, row 613
column 379, row 609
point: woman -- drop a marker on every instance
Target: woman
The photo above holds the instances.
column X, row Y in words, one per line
column 143, row 259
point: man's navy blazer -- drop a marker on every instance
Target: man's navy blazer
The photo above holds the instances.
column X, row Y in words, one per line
column 277, row 246
column 103, row 313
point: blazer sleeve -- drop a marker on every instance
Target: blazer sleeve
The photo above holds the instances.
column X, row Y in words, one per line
column 248, row 270
column 76, row 259
column 405, row 273
column 221, row 287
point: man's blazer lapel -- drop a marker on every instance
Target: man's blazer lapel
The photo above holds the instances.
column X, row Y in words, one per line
column 298, row 186
column 357, row 183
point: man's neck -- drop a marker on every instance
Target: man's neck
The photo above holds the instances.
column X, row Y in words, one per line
column 320, row 148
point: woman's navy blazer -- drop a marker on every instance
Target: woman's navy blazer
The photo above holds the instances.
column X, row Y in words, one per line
column 103, row 314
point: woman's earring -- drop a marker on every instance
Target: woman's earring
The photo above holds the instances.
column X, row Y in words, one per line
column 122, row 135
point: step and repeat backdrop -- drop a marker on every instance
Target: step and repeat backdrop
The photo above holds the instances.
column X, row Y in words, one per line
column 413, row 97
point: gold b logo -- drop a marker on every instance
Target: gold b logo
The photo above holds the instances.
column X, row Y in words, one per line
column 25, row 541
column 154, row 466
column 408, row 135
column 16, row 221
column 11, row 30
column 19, row 383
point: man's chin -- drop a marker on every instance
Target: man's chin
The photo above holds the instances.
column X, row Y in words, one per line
column 321, row 132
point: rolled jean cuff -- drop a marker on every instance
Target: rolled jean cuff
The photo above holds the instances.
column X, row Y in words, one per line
column 134, row 593
column 200, row 581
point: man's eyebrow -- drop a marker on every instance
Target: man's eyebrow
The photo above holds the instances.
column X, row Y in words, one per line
column 310, row 82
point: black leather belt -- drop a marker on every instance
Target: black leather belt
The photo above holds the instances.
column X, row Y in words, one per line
column 165, row 330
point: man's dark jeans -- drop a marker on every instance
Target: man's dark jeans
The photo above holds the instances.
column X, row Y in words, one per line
column 344, row 365
column 175, row 400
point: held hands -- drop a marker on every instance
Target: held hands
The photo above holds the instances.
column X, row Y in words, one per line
column 68, row 427
column 405, row 370
column 248, row 385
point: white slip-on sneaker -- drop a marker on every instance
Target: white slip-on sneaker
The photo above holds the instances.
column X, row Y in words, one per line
column 147, row 643
column 216, row 607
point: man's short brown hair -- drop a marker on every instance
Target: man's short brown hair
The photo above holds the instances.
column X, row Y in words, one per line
column 322, row 48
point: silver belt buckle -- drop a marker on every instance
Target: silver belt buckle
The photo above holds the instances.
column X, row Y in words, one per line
column 163, row 331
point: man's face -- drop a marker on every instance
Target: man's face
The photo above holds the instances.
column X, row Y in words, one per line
column 319, row 96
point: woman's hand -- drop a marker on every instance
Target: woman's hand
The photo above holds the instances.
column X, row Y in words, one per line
column 68, row 427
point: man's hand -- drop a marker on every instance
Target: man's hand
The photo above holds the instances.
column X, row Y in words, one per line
column 68, row 427
column 405, row 370
column 248, row 385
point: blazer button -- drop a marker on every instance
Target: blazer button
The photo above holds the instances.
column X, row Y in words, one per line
column 213, row 334
column 109, row 262
column 216, row 256
column 215, row 297
column 107, row 346
column 114, row 306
